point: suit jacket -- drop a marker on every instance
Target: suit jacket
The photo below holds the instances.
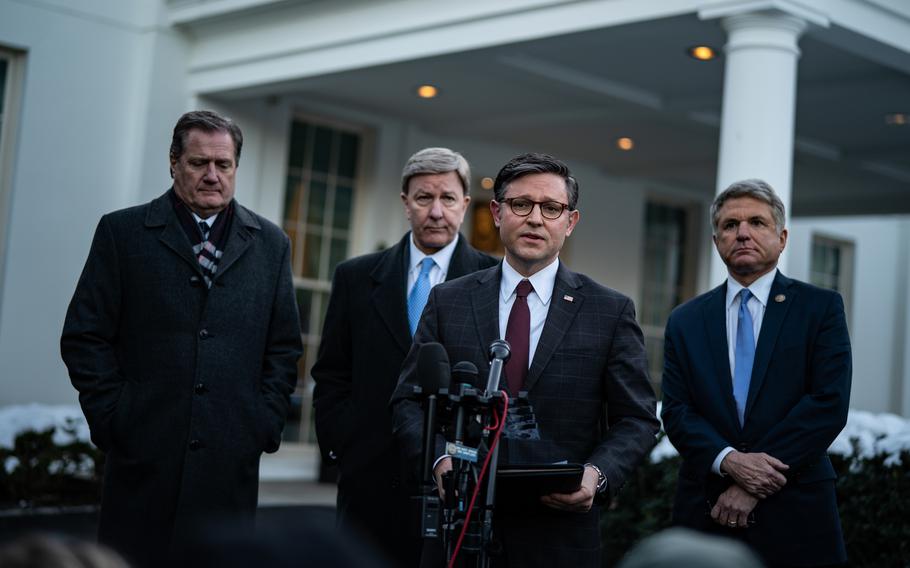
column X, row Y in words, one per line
column 183, row 387
column 590, row 359
column 364, row 340
column 797, row 404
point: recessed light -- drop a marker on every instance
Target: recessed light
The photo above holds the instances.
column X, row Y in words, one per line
column 897, row 119
column 487, row 183
column 625, row 143
column 427, row 91
column 702, row 52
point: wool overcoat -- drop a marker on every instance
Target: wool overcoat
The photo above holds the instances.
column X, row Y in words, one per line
column 183, row 386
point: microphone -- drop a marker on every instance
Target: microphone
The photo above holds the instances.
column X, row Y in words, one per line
column 499, row 354
column 432, row 374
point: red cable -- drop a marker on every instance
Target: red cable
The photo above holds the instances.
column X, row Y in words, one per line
column 500, row 424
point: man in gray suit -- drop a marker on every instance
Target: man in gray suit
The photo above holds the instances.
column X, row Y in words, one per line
column 576, row 350
column 182, row 339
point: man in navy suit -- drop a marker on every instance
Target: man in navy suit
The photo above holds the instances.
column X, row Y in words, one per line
column 373, row 310
column 756, row 386
column 583, row 364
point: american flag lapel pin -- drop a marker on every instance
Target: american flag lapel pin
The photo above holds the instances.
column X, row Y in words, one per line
column 568, row 298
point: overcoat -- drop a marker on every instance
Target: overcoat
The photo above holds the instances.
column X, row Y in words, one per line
column 183, row 387
column 364, row 341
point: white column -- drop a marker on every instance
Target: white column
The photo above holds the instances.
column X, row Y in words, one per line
column 756, row 133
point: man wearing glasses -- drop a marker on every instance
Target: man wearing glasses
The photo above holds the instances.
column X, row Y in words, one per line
column 576, row 350
column 375, row 304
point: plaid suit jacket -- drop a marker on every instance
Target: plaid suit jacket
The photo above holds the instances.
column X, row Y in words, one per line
column 588, row 385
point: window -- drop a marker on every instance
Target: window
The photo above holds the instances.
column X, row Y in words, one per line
column 668, row 277
column 322, row 169
column 11, row 71
column 831, row 266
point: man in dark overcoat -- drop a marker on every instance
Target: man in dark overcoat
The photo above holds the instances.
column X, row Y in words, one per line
column 375, row 301
column 182, row 339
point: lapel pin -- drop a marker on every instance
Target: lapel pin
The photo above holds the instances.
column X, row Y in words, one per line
column 779, row 298
column 568, row 298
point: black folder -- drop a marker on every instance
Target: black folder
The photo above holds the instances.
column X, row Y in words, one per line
column 523, row 483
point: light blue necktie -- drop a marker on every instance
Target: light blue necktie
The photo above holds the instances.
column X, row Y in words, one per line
column 417, row 299
column 744, row 355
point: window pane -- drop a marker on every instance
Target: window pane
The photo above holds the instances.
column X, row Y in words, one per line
column 338, row 253
column 322, row 149
column 304, row 307
column 342, row 216
column 292, row 198
column 3, row 67
column 297, row 151
column 316, row 206
column 347, row 155
column 312, row 254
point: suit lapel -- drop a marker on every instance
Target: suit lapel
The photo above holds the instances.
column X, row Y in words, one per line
column 161, row 214
column 715, row 318
column 388, row 295
column 775, row 314
column 240, row 237
column 485, row 303
column 559, row 318
column 458, row 264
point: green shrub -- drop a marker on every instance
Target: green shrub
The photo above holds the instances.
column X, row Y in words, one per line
column 38, row 472
column 873, row 499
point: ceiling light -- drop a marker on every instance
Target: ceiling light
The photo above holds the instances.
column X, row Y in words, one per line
column 487, row 183
column 625, row 144
column 702, row 52
column 897, row 119
column 427, row 91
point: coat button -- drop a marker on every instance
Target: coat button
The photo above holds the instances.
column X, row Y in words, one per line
column 195, row 445
column 195, row 281
column 200, row 388
column 204, row 334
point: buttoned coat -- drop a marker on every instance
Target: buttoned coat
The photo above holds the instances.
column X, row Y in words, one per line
column 587, row 383
column 364, row 340
column 183, row 387
column 797, row 404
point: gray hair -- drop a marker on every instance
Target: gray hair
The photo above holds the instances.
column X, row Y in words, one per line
column 436, row 161
column 756, row 189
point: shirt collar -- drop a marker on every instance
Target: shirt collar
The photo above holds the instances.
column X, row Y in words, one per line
column 543, row 281
column 209, row 221
column 442, row 257
column 761, row 288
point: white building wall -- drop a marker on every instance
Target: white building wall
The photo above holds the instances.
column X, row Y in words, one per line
column 101, row 88
column 878, row 316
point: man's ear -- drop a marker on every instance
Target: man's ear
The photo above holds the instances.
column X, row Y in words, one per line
column 496, row 210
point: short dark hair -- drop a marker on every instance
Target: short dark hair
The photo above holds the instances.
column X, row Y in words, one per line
column 535, row 163
column 436, row 161
column 207, row 121
column 756, row 189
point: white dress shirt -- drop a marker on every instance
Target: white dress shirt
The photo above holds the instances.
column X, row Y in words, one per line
column 760, row 289
column 543, row 282
column 210, row 221
column 440, row 269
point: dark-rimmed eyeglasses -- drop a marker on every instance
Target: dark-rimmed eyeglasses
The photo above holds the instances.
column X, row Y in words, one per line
column 523, row 207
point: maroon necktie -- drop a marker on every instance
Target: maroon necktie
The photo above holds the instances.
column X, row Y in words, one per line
column 518, row 334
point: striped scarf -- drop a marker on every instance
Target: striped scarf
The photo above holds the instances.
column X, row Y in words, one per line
column 207, row 248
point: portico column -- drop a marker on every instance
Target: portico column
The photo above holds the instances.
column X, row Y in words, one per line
column 756, row 132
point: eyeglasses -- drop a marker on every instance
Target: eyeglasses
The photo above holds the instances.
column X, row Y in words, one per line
column 523, row 207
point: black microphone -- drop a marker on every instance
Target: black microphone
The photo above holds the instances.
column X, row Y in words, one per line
column 500, row 351
column 432, row 374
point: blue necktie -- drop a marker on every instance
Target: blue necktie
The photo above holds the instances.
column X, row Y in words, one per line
column 744, row 355
column 417, row 299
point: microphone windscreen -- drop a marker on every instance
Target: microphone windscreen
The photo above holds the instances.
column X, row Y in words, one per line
column 500, row 349
column 433, row 370
column 465, row 372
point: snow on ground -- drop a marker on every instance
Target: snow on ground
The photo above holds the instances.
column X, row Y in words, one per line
column 872, row 433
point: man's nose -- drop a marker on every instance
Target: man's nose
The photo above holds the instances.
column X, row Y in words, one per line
column 742, row 231
column 211, row 173
column 436, row 209
column 535, row 217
